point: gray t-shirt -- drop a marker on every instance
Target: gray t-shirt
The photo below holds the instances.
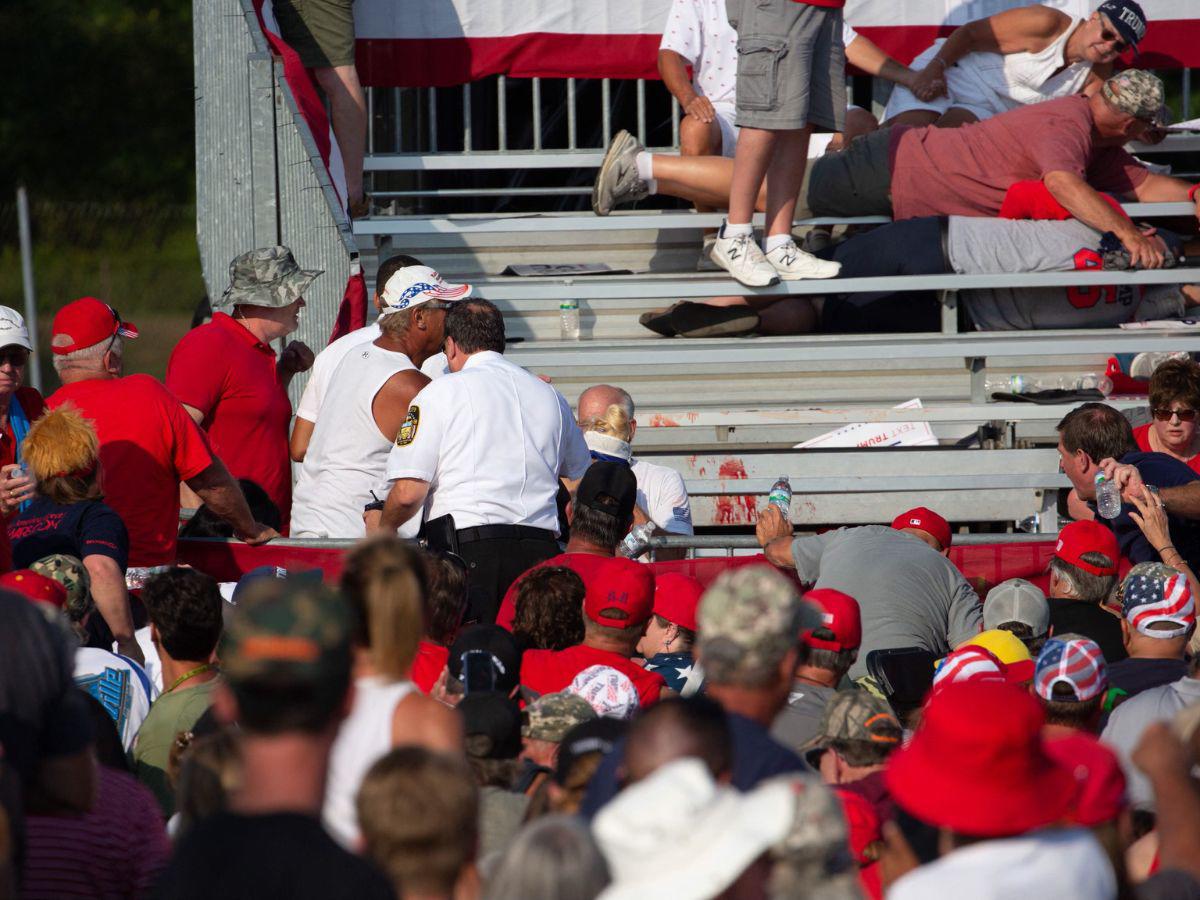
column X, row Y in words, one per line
column 979, row 246
column 909, row 594
column 1129, row 720
column 800, row 721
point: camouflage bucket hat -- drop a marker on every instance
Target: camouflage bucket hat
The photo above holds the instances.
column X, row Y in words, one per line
column 269, row 276
column 748, row 620
column 1135, row 93
column 288, row 633
column 551, row 716
column 70, row 572
column 855, row 717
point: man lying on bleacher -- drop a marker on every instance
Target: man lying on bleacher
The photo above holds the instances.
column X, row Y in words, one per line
column 1073, row 145
column 1036, row 235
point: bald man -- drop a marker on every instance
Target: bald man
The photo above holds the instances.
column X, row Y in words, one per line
column 662, row 497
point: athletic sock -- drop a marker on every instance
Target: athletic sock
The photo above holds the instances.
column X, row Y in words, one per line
column 645, row 165
column 652, row 185
column 729, row 230
column 775, row 240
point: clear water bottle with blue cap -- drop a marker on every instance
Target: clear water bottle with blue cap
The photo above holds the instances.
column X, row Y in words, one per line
column 636, row 541
column 781, row 496
column 568, row 315
column 1108, row 497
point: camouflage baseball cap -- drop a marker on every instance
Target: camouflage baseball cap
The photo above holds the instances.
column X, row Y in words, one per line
column 748, row 620
column 70, row 572
column 1135, row 93
column 813, row 858
column 551, row 716
column 269, row 276
column 288, row 633
column 856, row 718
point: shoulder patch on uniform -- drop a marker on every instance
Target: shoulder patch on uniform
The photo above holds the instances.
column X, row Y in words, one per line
column 408, row 431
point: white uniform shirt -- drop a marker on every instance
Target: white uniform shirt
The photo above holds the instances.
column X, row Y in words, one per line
column 492, row 442
column 661, row 493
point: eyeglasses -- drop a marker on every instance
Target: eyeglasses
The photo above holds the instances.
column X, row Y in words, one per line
column 1164, row 415
column 14, row 356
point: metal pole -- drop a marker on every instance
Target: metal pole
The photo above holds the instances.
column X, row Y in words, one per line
column 35, row 369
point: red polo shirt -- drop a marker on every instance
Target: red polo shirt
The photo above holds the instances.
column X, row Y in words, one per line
column 33, row 405
column 148, row 444
column 229, row 375
column 582, row 564
column 550, row 671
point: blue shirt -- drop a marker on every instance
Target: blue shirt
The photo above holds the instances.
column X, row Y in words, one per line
column 1163, row 471
column 756, row 757
column 89, row 528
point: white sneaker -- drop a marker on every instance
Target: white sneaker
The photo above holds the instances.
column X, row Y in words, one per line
column 742, row 258
column 791, row 263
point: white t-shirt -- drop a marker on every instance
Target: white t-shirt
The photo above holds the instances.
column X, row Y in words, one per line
column 151, row 664
column 1067, row 864
column 492, row 441
column 699, row 31
column 121, row 686
column 662, row 494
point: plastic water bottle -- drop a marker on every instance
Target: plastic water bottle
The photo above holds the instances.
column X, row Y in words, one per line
column 1108, row 497
column 781, row 496
column 568, row 316
column 636, row 541
column 137, row 576
column 1022, row 384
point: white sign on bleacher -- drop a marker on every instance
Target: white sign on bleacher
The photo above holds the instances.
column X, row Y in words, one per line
column 867, row 436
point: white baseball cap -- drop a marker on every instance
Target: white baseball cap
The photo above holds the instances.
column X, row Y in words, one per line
column 13, row 330
column 413, row 285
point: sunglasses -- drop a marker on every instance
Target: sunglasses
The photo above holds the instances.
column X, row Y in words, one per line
column 1164, row 415
column 1109, row 35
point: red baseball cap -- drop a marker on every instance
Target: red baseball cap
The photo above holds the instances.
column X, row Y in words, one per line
column 926, row 520
column 619, row 584
column 86, row 322
column 36, row 587
column 1079, row 538
column 676, row 597
column 841, row 621
column 977, row 764
column 1100, row 781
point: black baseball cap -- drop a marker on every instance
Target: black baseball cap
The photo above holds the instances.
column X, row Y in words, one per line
column 593, row 736
column 608, row 487
column 491, row 725
column 498, row 644
column 1127, row 18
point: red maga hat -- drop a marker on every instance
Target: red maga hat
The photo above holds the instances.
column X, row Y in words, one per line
column 623, row 585
column 841, row 621
column 36, row 587
column 1079, row 538
column 676, row 597
column 1099, row 779
column 977, row 764
column 86, row 322
column 926, row 520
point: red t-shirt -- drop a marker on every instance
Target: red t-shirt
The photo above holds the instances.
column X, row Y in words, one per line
column 229, row 375
column 428, row 665
column 33, row 405
column 148, row 444
column 550, row 671
column 1141, row 435
column 582, row 564
column 966, row 171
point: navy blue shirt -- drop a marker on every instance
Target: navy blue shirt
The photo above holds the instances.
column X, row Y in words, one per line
column 1163, row 471
column 756, row 757
column 90, row 528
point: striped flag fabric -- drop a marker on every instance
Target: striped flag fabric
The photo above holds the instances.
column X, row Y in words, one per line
column 1076, row 662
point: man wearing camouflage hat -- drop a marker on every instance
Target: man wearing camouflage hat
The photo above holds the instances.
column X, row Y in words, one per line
column 543, row 724
column 286, row 660
column 229, row 379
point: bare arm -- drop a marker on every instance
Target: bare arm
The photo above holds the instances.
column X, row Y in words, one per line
column 112, row 600
column 673, row 69
column 404, row 500
column 1151, row 518
column 774, row 534
column 1082, row 201
column 188, row 498
column 865, row 54
column 1165, row 189
column 302, row 430
column 1182, row 500
column 390, row 405
column 1026, row 29
column 222, row 494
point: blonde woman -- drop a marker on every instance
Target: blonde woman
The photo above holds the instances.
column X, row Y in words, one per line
column 384, row 583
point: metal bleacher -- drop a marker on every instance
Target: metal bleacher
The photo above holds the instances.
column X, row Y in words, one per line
column 726, row 413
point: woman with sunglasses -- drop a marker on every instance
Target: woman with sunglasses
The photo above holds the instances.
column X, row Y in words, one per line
column 1174, row 399
column 20, row 406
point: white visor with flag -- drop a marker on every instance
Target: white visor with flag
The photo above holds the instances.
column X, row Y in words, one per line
column 414, row 285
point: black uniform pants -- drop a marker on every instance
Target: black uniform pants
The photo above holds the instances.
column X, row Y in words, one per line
column 494, row 563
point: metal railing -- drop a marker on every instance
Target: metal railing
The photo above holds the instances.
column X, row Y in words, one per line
column 260, row 179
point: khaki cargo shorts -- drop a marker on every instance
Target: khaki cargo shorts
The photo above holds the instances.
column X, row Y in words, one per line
column 321, row 31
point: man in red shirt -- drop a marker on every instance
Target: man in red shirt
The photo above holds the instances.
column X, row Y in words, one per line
column 227, row 375
column 616, row 607
column 600, row 516
column 148, row 444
